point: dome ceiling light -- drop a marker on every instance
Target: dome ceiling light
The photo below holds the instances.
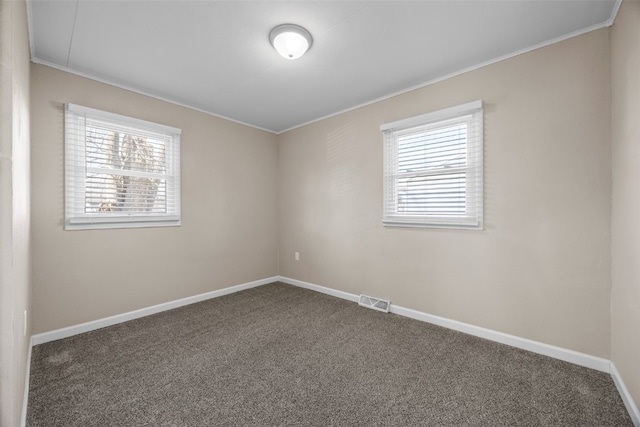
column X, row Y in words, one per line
column 290, row 40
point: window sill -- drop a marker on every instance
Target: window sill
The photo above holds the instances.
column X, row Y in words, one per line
column 475, row 225
column 120, row 222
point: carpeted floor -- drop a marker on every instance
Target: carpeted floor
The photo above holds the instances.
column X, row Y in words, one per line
column 281, row 355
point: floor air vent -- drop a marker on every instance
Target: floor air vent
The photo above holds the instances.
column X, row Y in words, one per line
column 374, row 303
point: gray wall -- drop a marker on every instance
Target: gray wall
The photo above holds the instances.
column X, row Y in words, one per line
column 555, row 262
column 229, row 226
column 540, row 269
column 625, row 296
column 15, row 285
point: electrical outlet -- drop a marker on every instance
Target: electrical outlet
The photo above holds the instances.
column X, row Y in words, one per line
column 24, row 323
column 297, row 256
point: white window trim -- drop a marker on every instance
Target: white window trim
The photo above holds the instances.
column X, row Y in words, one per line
column 474, row 178
column 75, row 165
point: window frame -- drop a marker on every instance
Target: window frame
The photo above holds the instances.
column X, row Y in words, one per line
column 473, row 218
column 76, row 217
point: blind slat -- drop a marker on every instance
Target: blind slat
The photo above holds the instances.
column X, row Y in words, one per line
column 115, row 166
column 433, row 169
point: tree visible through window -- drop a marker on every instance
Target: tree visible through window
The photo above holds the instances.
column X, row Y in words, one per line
column 121, row 154
column 120, row 170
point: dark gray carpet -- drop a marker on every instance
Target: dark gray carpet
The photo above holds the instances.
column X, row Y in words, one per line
column 281, row 355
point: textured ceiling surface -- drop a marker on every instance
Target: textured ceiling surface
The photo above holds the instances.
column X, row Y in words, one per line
column 215, row 56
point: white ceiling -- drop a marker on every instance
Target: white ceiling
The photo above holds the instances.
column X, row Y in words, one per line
column 215, row 56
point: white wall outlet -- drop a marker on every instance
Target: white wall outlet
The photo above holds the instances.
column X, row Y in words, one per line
column 297, row 256
column 24, row 324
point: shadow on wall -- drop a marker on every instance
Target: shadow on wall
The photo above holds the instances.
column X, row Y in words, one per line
column 342, row 157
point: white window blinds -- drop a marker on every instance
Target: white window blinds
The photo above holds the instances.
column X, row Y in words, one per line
column 433, row 169
column 119, row 171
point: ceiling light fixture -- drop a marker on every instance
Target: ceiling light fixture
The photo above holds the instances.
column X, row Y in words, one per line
column 290, row 40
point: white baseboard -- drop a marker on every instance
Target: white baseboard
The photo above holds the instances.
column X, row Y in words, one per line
column 560, row 353
column 25, row 396
column 120, row 318
column 571, row 356
column 631, row 405
column 318, row 288
column 124, row 317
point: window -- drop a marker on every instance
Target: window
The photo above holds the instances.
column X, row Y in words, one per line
column 119, row 171
column 433, row 169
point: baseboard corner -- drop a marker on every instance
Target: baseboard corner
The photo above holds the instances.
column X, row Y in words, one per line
column 629, row 402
